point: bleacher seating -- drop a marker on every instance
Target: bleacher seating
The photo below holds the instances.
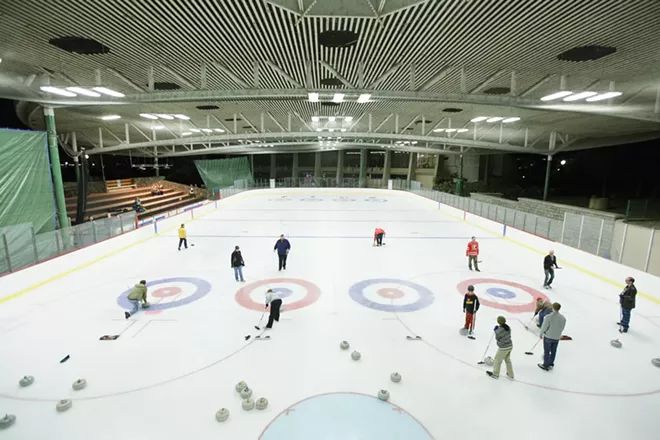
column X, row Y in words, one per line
column 113, row 185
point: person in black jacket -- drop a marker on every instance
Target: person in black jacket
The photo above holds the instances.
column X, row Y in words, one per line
column 237, row 264
column 627, row 301
column 470, row 307
column 549, row 263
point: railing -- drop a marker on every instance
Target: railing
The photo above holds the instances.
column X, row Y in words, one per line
column 20, row 247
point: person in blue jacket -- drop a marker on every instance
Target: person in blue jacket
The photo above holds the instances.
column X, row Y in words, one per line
column 282, row 246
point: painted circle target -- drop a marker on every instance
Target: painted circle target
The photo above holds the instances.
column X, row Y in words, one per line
column 375, row 199
column 170, row 293
column 391, row 295
column 295, row 293
column 281, row 199
column 311, row 199
column 343, row 199
column 502, row 294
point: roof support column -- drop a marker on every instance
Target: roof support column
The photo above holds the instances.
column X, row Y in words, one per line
column 340, row 167
column 412, row 166
column 317, row 165
column 56, row 170
column 363, row 168
column 294, row 168
column 76, row 160
column 387, row 168
column 459, row 180
column 272, row 166
column 548, row 165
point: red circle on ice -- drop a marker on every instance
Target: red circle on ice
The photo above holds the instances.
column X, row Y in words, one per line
column 164, row 292
column 390, row 293
column 243, row 295
column 511, row 308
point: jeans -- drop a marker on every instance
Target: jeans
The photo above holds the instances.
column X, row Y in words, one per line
column 471, row 259
column 549, row 276
column 136, row 305
column 542, row 314
column 238, row 273
column 274, row 312
column 379, row 239
column 282, row 258
column 503, row 354
column 183, row 241
column 625, row 318
column 549, row 351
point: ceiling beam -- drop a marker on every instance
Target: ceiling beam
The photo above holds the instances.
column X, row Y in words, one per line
column 284, row 75
column 435, row 78
column 536, row 85
column 127, row 81
column 231, row 74
column 337, row 75
column 178, row 77
column 487, row 81
column 384, row 76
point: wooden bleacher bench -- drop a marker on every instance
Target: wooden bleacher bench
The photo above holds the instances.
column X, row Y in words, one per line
column 113, row 185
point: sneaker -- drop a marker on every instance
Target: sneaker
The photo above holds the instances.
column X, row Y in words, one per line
column 510, row 377
column 242, row 281
column 477, row 270
column 625, row 330
column 127, row 315
column 549, row 287
column 543, row 367
column 470, row 268
column 490, row 373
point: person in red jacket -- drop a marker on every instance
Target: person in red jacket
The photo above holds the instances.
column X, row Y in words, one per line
column 378, row 236
column 470, row 307
column 472, row 253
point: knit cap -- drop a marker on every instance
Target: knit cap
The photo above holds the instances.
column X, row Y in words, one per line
column 501, row 320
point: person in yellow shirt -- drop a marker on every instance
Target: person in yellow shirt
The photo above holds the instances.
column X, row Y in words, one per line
column 183, row 240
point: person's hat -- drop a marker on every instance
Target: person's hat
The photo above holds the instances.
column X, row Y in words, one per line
column 501, row 320
column 236, row 247
column 539, row 298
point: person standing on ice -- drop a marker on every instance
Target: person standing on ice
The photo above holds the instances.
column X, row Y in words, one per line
column 137, row 294
column 237, row 264
column 551, row 331
column 627, row 301
column 549, row 263
column 470, row 307
column 282, row 246
column 472, row 253
column 504, row 349
column 378, row 237
column 183, row 236
column 543, row 308
column 275, row 303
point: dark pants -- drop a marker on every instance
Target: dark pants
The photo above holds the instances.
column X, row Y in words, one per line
column 183, row 241
column 274, row 312
column 379, row 239
column 549, row 276
column 473, row 259
column 282, row 261
column 625, row 318
column 549, row 351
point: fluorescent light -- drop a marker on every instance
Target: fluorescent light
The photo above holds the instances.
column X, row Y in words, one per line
column 81, row 91
column 313, row 97
column 109, row 92
column 339, row 97
column 331, row 129
column 315, row 119
column 343, row 130
column 186, row 133
column 603, row 96
column 580, row 95
column 462, row 130
column 331, row 119
column 219, row 130
column 158, row 127
column 183, row 117
column 451, row 130
column 319, row 129
column 348, row 118
column 195, row 130
column 479, row 119
column 415, row 142
column 513, row 119
column 207, row 130
column 320, row 137
column 495, row 119
column 438, row 130
column 148, row 116
column 168, row 117
column 110, row 117
column 556, row 95
column 57, row 91
column 365, row 97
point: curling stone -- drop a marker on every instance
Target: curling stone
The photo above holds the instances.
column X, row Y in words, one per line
column 616, row 343
column 26, row 381
column 383, row 395
column 488, row 361
column 396, row 377
column 356, row 355
column 241, row 385
column 261, row 403
column 222, row 415
column 344, row 345
column 63, row 405
column 245, row 393
column 463, row 331
column 248, row 404
column 7, row 421
column 79, row 384
column 656, row 362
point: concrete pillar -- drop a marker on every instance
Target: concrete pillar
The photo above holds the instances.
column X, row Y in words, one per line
column 340, row 167
column 486, row 169
column 387, row 167
column 438, row 161
column 56, row 170
column 156, row 162
column 459, row 181
column 317, row 165
column 76, row 160
column 294, row 166
column 272, row 166
column 363, row 168
column 546, row 185
column 412, row 165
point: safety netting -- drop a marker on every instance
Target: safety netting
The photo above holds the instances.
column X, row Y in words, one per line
column 224, row 173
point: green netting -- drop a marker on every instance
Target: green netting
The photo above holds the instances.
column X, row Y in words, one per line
column 26, row 192
column 222, row 173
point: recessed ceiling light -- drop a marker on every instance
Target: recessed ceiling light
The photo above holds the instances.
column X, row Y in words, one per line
column 438, row 130
column 556, row 95
column 513, row 119
column 148, row 116
column 365, row 97
column 110, row 117
column 207, row 130
column 109, row 92
column 186, row 133
column 168, row 117
column 495, row 119
column 183, row 117
column 338, row 97
column 331, row 130
column 313, row 97
column 603, row 96
column 219, row 130
column 331, row 119
column 195, row 130
column 451, row 130
column 580, row 95
column 158, row 127
column 343, row 130
column 348, row 118
column 315, row 119
column 479, row 119
column 462, row 130
column 414, row 142
column 57, row 91
column 319, row 129
column 81, row 91
column 320, row 137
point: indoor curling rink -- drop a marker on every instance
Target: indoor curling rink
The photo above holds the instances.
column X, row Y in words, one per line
column 176, row 364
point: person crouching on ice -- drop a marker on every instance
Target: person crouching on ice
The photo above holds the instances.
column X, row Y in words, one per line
column 543, row 309
column 470, row 307
column 137, row 294
column 378, row 237
column 472, row 253
column 275, row 303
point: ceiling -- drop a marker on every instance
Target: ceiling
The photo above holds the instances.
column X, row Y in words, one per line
column 246, row 67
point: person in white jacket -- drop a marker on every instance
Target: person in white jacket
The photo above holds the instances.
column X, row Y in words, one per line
column 275, row 302
column 551, row 331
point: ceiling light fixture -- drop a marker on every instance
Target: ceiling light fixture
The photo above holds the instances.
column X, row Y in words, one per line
column 343, row 130
column 365, row 97
column 348, row 118
column 331, row 130
column 186, row 133
column 331, row 119
column 57, row 91
column 81, row 91
column 451, row 130
column 109, row 92
column 495, row 119
column 438, row 130
column 479, row 119
column 462, row 130
column 207, row 130
column 182, row 117
column 556, row 95
column 338, row 97
column 319, row 129
column 513, row 119
column 315, row 119
column 604, row 96
column 195, row 130
column 168, row 117
column 110, row 117
column 157, row 127
column 219, row 130
column 148, row 116
column 313, row 97
column 579, row 96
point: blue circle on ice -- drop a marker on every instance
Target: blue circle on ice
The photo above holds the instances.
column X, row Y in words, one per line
column 283, row 292
column 202, row 288
column 499, row 292
column 344, row 416
column 426, row 298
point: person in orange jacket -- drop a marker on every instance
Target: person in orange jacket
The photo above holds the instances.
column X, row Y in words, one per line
column 472, row 253
column 378, row 236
